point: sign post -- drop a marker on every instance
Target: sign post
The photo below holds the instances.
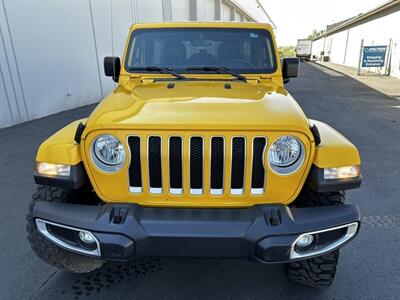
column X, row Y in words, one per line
column 360, row 58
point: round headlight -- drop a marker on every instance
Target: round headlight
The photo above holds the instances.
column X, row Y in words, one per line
column 108, row 153
column 285, row 151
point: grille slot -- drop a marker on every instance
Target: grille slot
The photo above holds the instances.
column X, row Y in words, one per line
column 135, row 168
column 238, row 165
column 217, row 165
column 258, row 170
column 175, row 165
column 154, row 157
column 196, row 165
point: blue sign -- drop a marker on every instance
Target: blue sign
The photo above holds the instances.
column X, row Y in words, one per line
column 374, row 56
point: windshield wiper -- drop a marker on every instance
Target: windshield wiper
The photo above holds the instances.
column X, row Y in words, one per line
column 164, row 70
column 218, row 70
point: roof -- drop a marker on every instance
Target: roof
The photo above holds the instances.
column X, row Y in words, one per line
column 386, row 8
column 337, row 24
column 194, row 24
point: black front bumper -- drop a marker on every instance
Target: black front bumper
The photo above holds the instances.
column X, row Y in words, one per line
column 264, row 232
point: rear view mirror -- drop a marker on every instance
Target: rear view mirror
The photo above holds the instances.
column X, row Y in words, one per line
column 290, row 68
column 112, row 67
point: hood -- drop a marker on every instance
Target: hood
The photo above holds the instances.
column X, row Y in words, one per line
column 198, row 105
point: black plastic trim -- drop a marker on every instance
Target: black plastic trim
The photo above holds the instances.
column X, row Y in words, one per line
column 78, row 133
column 316, row 134
column 77, row 178
column 196, row 232
column 317, row 182
column 112, row 67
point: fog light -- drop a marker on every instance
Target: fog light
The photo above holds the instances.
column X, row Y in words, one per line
column 304, row 243
column 87, row 237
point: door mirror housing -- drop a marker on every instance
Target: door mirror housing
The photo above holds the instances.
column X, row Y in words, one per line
column 112, row 67
column 290, row 68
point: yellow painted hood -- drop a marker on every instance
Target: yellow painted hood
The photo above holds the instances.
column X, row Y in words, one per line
column 197, row 105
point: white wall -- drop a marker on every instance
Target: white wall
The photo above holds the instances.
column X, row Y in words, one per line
column 51, row 56
column 376, row 32
column 206, row 10
column 51, row 51
column 317, row 48
column 225, row 12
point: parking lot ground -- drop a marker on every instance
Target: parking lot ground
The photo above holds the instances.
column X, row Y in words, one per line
column 385, row 84
column 369, row 266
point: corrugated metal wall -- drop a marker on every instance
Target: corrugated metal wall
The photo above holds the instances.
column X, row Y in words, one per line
column 51, row 51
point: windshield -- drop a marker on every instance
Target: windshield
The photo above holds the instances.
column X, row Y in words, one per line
column 240, row 50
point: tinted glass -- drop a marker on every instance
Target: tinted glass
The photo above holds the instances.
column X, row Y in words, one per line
column 241, row 50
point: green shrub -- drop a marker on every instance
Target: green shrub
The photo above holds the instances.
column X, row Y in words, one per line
column 287, row 51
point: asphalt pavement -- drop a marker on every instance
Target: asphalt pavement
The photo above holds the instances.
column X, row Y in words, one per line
column 369, row 266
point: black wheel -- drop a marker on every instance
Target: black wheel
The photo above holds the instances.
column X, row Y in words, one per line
column 48, row 252
column 318, row 271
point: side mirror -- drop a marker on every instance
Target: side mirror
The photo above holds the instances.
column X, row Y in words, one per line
column 112, row 67
column 290, row 68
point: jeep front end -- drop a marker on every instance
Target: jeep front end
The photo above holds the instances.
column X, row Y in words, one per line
column 198, row 152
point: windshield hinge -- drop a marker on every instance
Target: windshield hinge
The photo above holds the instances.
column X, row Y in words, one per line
column 147, row 80
column 253, row 80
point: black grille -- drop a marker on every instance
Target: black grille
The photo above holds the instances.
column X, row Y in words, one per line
column 241, row 163
column 196, row 163
column 258, row 171
column 175, row 162
column 217, row 162
column 238, row 162
column 135, row 168
column 154, row 157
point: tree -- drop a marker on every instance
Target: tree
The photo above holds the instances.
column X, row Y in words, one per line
column 287, row 52
column 314, row 34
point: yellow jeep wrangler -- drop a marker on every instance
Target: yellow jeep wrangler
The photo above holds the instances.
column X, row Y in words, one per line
column 198, row 152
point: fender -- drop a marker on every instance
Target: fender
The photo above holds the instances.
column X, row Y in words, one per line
column 334, row 150
column 61, row 148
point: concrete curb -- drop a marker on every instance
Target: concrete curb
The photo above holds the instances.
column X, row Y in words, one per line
column 396, row 97
column 330, row 68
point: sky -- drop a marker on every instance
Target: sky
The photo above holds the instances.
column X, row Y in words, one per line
column 296, row 19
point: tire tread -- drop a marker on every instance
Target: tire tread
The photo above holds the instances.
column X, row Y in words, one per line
column 45, row 250
column 318, row 271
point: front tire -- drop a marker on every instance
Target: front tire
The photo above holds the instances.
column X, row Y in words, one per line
column 318, row 271
column 314, row 272
column 45, row 250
